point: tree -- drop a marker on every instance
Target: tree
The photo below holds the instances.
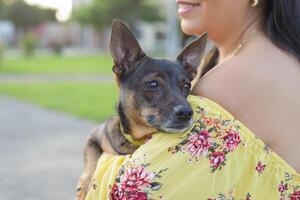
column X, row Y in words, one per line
column 3, row 10
column 101, row 13
column 29, row 44
column 25, row 16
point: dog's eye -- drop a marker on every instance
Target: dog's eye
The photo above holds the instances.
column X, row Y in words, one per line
column 153, row 84
column 187, row 86
column 186, row 89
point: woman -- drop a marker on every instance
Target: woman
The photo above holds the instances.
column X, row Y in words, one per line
column 256, row 84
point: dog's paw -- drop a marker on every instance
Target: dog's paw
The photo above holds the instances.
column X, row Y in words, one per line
column 83, row 187
column 79, row 192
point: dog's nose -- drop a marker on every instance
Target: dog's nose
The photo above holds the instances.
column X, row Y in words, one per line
column 183, row 113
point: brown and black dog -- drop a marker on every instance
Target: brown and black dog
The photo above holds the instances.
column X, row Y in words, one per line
column 153, row 97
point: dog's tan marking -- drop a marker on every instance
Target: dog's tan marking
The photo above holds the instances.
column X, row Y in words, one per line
column 137, row 118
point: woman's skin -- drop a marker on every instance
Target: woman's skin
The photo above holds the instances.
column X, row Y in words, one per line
column 260, row 85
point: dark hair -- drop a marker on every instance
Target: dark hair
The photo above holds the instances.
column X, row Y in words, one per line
column 282, row 26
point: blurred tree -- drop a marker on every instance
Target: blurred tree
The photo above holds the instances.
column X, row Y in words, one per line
column 150, row 13
column 29, row 44
column 25, row 16
column 101, row 12
column 3, row 10
column 95, row 14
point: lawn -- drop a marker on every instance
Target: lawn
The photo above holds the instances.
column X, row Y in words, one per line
column 93, row 101
column 55, row 65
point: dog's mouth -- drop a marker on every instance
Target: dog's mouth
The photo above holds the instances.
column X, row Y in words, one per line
column 176, row 128
column 167, row 125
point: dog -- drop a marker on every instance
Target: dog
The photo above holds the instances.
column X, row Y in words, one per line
column 152, row 98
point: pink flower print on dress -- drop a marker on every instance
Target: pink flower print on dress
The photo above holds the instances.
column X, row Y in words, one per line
column 198, row 144
column 260, row 168
column 232, row 140
column 135, row 182
column 295, row 195
column 117, row 193
column 216, row 159
column 282, row 187
column 248, row 196
column 136, row 178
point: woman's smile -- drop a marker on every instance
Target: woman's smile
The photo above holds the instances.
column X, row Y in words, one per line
column 185, row 7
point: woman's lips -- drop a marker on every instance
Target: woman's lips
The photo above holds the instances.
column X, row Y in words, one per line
column 185, row 7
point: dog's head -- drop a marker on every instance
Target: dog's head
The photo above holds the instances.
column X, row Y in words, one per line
column 153, row 92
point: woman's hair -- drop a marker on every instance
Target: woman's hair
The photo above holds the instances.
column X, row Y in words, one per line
column 282, row 26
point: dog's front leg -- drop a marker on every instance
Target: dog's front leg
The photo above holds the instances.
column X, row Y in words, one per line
column 92, row 152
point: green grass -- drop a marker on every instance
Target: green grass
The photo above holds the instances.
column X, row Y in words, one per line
column 55, row 65
column 86, row 100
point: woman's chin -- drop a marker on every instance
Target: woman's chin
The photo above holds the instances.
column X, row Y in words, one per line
column 191, row 27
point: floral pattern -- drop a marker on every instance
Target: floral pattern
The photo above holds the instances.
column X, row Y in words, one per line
column 260, row 168
column 135, row 182
column 230, row 196
column 232, row 140
column 216, row 159
column 211, row 137
column 198, row 144
column 287, row 190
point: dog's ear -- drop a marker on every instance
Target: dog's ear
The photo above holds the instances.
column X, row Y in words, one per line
column 124, row 47
column 190, row 57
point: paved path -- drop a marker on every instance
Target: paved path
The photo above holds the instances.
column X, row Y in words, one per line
column 40, row 152
column 7, row 78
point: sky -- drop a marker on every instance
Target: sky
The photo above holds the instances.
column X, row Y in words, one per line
column 63, row 7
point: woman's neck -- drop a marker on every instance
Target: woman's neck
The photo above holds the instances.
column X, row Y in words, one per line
column 234, row 40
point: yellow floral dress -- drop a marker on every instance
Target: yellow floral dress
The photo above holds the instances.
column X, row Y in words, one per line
column 217, row 159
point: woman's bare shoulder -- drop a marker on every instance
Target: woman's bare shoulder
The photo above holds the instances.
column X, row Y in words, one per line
column 228, row 82
column 254, row 78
